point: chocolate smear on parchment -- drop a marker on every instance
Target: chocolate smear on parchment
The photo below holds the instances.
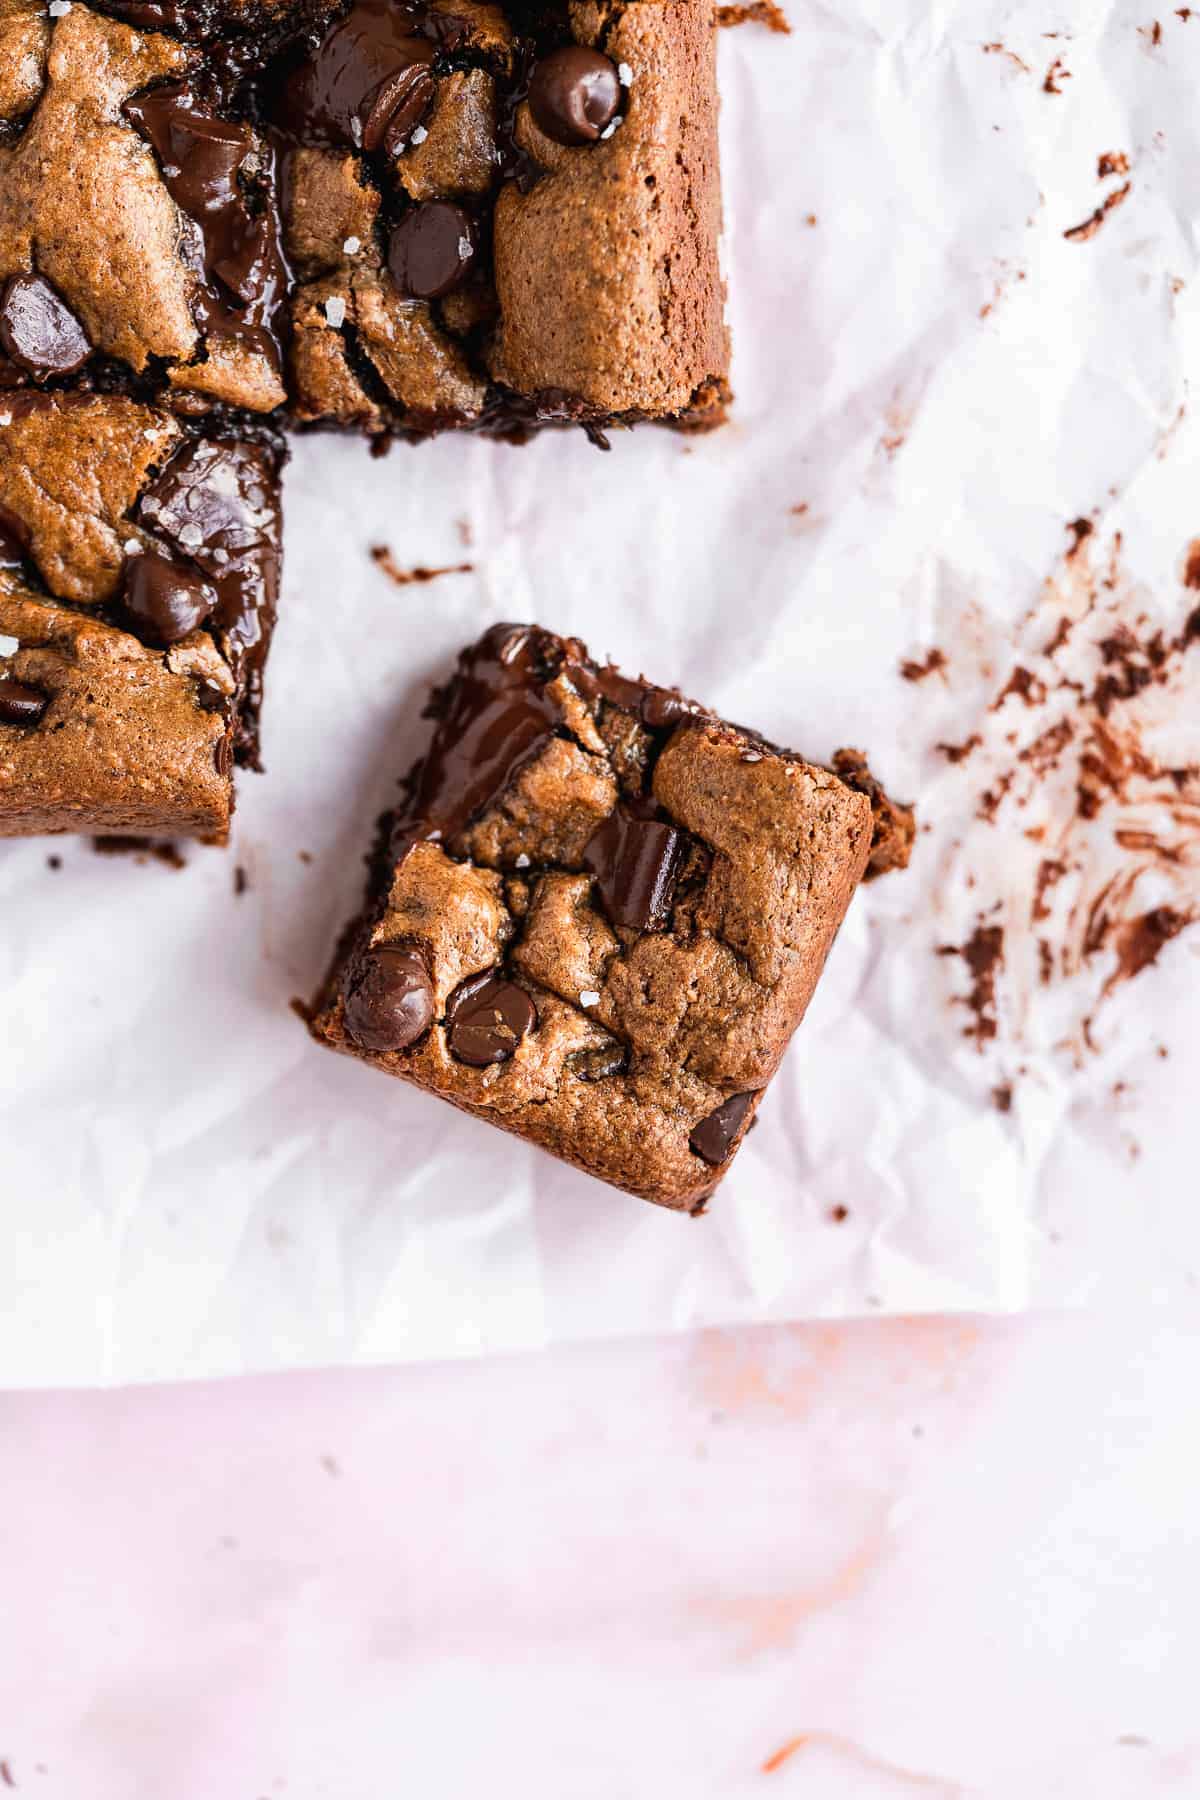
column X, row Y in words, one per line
column 1079, row 788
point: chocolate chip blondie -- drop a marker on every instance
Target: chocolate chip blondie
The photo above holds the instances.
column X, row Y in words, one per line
column 222, row 217
column 397, row 216
column 139, row 566
column 600, row 913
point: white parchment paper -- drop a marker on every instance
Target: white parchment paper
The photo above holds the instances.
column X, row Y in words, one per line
column 932, row 382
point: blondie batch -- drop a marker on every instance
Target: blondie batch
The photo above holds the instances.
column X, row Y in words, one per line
column 600, row 913
column 221, row 219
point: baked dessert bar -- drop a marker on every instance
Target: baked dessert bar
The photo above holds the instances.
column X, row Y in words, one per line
column 220, row 218
column 139, row 565
column 600, row 913
column 398, row 216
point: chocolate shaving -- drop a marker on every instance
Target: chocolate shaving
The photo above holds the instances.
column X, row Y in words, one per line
column 1104, row 870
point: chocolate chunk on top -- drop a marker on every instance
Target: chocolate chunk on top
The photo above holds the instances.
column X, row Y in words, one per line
column 486, row 1018
column 370, row 69
column 20, row 704
column 389, row 998
column 38, row 329
column 635, row 861
column 574, row 94
column 165, row 600
column 431, row 250
column 713, row 1136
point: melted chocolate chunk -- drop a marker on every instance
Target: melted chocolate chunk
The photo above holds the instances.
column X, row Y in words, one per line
column 497, row 718
column 660, row 709
column 398, row 108
column 388, row 999
column 635, row 862
column 225, row 182
column 574, row 94
column 216, row 502
column 14, row 540
column 486, row 1018
column 431, row 250
column 367, row 82
column 713, row 1136
column 20, row 704
column 39, row 331
column 164, row 599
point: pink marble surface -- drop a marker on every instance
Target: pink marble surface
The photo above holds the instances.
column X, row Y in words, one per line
column 853, row 1562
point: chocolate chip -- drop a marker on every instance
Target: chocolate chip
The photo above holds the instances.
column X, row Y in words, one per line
column 39, row 331
column 431, row 250
column 20, row 704
column 389, row 1000
column 574, row 94
column 165, row 599
column 398, row 108
column 635, row 862
column 596, row 1065
column 486, row 1018
column 713, row 1136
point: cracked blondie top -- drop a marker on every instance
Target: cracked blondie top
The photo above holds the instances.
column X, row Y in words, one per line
column 399, row 216
column 601, row 912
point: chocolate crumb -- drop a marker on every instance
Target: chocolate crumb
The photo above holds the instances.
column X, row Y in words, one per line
column 1112, row 162
column 241, row 881
column 54, row 862
column 757, row 12
column 957, row 753
column 1080, row 530
column 983, row 954
column 1109, row 813
column 931, row 663
column 123, row 844
column 1056, row 73
column 1087, row 228
column 1141, row 940
column 839, row 1214
column 382, row 556
column 997, row 49
column 1002, row 1097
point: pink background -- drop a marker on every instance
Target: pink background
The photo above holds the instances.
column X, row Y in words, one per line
column 869, row 1560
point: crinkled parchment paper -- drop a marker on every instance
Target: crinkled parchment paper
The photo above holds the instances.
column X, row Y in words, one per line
column 963, row 443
